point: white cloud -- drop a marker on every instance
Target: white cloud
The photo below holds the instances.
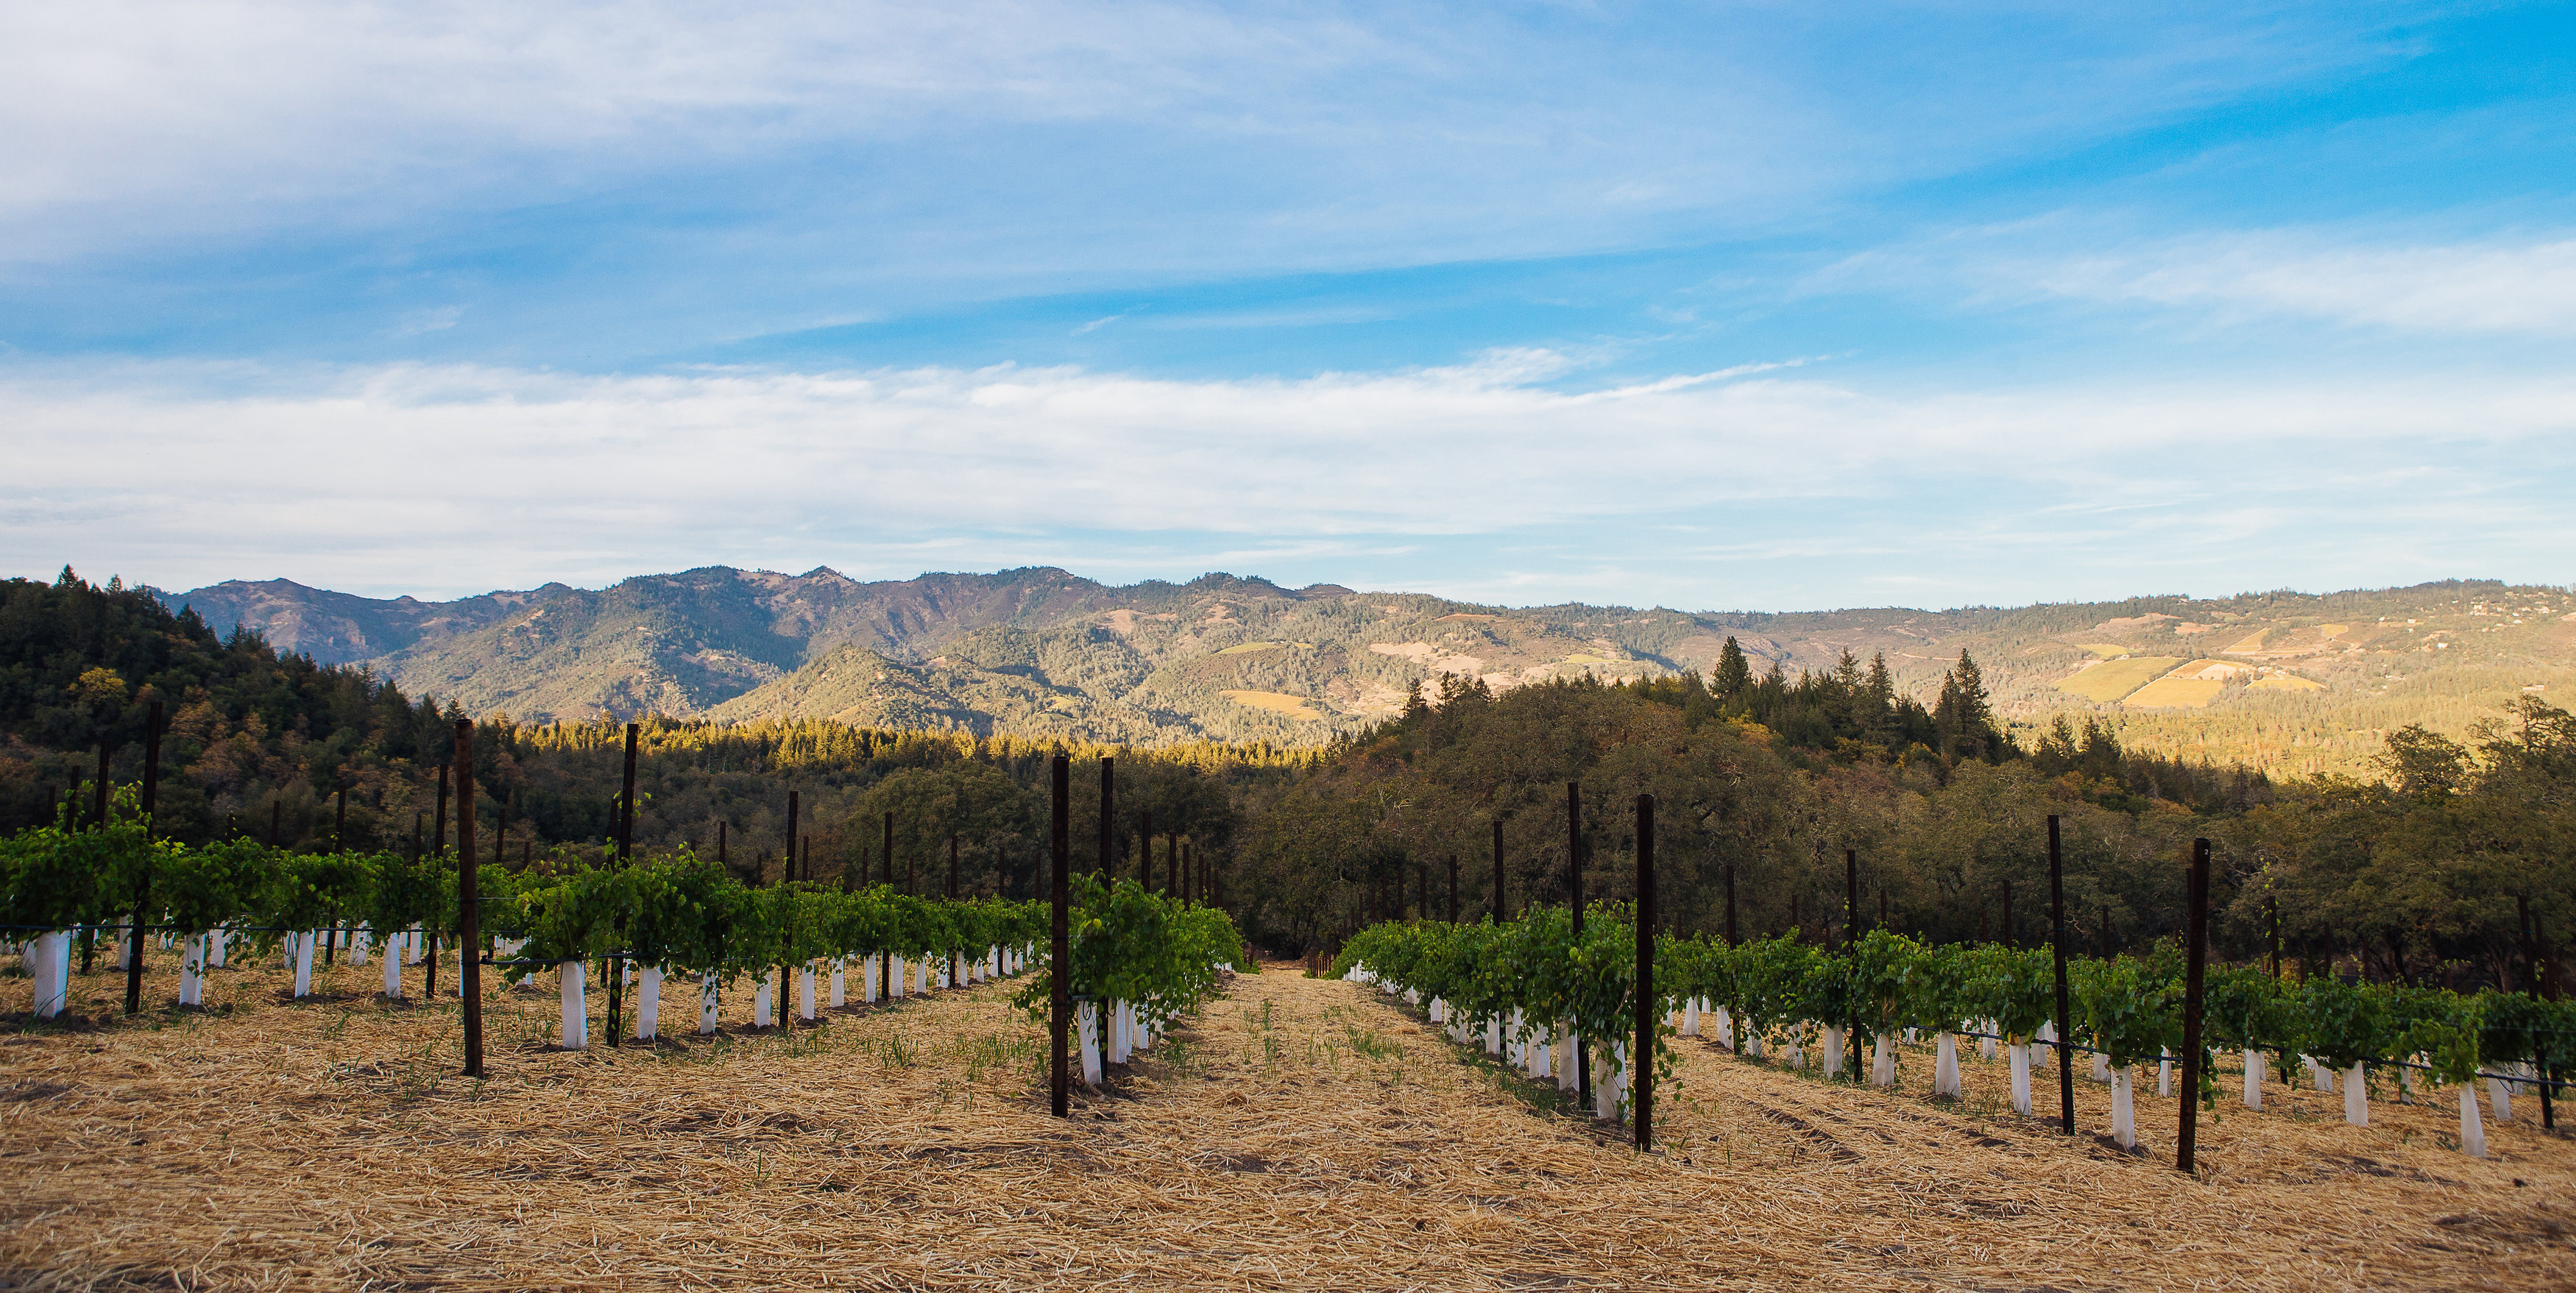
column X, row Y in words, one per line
column 2473, row 287
column 1404, row 131
column 2494, row 285
column 414, row 323
column 419, row 478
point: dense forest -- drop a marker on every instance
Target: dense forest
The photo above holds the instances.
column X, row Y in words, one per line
column 2457, row 866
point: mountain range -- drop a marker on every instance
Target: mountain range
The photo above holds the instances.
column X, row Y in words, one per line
column 2291, row 682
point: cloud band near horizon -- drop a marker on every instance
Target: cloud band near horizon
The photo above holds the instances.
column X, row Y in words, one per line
column 1770, row 489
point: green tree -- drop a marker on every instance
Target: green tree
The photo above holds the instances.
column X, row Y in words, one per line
column 1733, row 674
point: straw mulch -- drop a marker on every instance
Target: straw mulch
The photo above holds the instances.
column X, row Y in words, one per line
column 1300, row 1134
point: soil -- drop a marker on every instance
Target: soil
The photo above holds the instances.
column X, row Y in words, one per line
column 1298, row 1133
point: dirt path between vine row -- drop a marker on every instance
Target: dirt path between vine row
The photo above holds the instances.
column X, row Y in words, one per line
column 1299, row 1134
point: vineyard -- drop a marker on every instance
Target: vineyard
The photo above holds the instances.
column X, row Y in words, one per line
column 879, row 1088
column 1535, row 991
column 1558, row 992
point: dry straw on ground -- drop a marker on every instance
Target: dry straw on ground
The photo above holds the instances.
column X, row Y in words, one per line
column 1299, row 1134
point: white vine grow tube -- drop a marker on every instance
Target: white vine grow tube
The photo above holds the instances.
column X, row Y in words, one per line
column 648, row 1003
column 52, row 969
column 569, row 979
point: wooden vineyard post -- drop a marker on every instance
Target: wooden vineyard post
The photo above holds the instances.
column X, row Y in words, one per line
column 469, row 914
column 98, row 791
column 626, row 799
column 2057, row 946
column 143, row 875
column 2537, row 986
column 885, row 963
column 98, row 822
column 1851, row 900
column 1108, row 802
column 1059, row 951
column 1641, row 1055
column 2197, row 891
column 616, row 964
column 1853, row 1051
column 339, row 844
column 1574, row 880
column 787, row 864
column 1734, row 1033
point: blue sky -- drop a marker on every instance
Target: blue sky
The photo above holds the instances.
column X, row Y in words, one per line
column 1720, row 306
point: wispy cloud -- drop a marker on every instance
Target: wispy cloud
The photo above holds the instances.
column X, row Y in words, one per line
column 2486, row 286
column 555, row 476
column 2344, row 276
column 416, row 322
column 1390, row 134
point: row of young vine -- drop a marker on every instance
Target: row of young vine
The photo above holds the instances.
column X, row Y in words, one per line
column 1533, row 985
column 1138, row 958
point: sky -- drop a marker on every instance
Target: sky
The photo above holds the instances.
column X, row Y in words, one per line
column 1708, row 306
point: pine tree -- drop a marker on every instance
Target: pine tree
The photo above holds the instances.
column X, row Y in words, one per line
column 2057, row 751
column 1851, row 696
column 2101, row 752
column 1733, row 674
column 1883, row 721
column 1965, row 716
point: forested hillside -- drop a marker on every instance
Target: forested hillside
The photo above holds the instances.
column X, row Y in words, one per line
column 2286, row 682
column 259, row 742
column 2423, row 873
column 2422, row 878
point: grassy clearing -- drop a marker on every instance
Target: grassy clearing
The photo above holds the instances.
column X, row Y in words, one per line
column 2111, row 680
column 2286, row 682
column 2175, row 693
column 1275, row 702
